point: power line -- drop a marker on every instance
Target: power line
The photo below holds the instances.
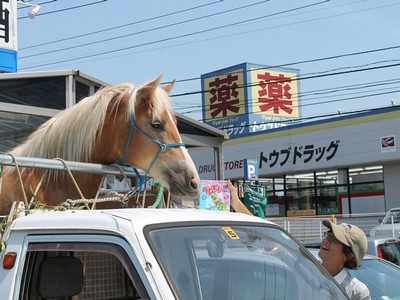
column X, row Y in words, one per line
column 371, row 86
column 337, row 100
column 123, row 25
column 135, row 46
column 319, row 74
column 64, row 9
column 142, row 31
column 311, row 76
column 169, row 38
column 289, row 122
column 329, row 91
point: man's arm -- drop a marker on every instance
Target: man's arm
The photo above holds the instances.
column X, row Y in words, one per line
column 236, row 204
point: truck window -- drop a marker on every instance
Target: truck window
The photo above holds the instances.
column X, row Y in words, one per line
column 79, row 271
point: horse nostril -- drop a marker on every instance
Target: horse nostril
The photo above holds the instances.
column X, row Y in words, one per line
column 193, row 184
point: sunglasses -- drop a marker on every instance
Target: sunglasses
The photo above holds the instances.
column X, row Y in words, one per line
column 331, row 237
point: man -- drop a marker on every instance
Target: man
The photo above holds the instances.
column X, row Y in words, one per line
column 343, row 248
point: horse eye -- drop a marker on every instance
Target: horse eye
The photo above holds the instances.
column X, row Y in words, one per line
column 156, row 125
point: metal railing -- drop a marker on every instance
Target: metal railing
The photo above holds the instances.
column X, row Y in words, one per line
column 57, row 164
column 311, row 228
column 62, row 165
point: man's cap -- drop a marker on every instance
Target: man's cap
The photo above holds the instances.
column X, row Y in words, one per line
column 350, row 235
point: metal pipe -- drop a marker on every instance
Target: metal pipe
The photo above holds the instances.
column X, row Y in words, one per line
column 55, row 164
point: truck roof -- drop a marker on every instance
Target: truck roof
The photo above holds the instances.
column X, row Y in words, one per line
column 112, row 219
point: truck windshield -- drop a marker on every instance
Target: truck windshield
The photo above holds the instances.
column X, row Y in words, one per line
column 238, row 262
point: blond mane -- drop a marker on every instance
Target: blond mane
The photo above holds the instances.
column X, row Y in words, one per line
column 71, row 134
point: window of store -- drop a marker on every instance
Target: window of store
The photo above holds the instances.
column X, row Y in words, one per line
column 46, row 92
column 366, row 178
column 84, row 89
column 81, row 91
column 276, row 205
column 319, row 193
column 300, row 194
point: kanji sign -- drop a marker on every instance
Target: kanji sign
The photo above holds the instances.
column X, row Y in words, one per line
column 279, row 158
column 275, row 93
column 8, row 35
column 224, row 97
column 247, row 98
column 299, row 154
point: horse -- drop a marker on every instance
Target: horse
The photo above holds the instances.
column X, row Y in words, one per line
column 119, row 123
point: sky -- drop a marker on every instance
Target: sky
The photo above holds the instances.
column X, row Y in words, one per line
column 347, row 51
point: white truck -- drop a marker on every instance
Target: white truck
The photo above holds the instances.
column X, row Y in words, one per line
column 156, row 254
column 390, row 225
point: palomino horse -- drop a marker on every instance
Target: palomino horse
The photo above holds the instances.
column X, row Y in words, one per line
column 120, row 122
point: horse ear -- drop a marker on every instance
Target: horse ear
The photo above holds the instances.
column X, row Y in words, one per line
column 147, row 90
column 167, row 88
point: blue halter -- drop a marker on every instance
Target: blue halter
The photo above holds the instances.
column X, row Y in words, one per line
column 163, row 148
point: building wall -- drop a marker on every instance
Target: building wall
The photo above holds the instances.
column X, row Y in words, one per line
column 339, row 143
column 391, row 176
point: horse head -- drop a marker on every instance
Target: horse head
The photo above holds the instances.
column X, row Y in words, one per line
column 153, row 143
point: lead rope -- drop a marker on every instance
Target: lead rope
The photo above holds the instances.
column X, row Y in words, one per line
column 144, row 194
column 159, row 196
column 96, row 197
column 73, row 179
column 20, row 178
column 36, row 190
column 169, row 200
column 132, row 190
column 110, row 197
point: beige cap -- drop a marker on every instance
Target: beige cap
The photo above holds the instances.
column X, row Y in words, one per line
column 350, row 235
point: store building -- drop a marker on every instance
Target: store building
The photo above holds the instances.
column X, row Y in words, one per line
column 347, row 164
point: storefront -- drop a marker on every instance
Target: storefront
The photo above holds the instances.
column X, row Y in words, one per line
column 348, row 164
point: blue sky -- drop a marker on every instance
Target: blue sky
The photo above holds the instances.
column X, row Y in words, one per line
column 348, row 52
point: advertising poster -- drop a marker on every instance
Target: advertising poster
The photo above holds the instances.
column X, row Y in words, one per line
column 214, row 195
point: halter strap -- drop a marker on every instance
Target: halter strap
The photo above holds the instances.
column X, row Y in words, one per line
column 163, row 148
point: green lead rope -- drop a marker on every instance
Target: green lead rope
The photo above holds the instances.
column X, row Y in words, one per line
column 159, row 196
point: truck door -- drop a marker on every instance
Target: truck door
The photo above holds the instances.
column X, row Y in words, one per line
column 75, row 268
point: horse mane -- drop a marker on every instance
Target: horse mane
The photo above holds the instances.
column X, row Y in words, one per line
column 71, row 134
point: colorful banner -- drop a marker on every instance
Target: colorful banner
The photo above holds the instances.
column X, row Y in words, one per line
column 214, row 195
column 254, row 200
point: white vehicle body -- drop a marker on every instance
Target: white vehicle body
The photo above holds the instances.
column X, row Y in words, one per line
column 145, row 244
column 390, row 225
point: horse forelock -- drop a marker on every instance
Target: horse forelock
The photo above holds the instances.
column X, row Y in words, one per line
column 71, row 134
